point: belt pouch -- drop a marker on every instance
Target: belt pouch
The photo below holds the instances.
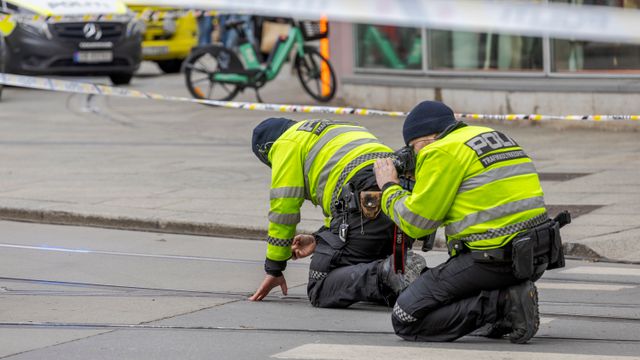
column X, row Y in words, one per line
column 370, row 204
column 522, row 255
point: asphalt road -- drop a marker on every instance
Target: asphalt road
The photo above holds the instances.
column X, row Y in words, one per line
column 88, row 293
column 188, row 168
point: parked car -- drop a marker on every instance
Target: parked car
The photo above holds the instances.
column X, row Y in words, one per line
column 98, row 37
column 2, row 68
column 6, row 27
column 169, row 36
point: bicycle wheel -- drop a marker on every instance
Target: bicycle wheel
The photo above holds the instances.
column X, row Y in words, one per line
column 200, row 68
column 309, row 72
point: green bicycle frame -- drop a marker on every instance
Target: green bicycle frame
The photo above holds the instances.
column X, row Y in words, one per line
column 250, row 59
column 373, row 37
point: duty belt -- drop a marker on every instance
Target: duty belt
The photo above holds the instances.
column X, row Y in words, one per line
column 347, row 169
column 459, row 245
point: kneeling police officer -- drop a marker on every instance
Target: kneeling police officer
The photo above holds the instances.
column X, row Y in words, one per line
column 482, row 186
column 332, row 166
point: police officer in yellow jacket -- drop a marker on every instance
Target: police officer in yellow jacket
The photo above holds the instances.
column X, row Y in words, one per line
column 482, row 186
column 330, row 165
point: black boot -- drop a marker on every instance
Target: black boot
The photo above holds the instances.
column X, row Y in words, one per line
column 396, row 282
column 518, row 312
column 497, row 330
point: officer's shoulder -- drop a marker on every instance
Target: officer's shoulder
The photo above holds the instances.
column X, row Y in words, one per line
column 438, row 149
column 478, row 128
column 288, row 143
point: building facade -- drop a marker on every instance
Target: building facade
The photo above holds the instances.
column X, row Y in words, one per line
column 392, row 67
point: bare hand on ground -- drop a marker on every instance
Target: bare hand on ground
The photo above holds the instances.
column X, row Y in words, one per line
column 267, row 285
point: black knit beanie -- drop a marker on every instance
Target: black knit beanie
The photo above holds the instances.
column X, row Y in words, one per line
column 265, row 134
column 428, row 117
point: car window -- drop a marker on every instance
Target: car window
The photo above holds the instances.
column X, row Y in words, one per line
column 15, row 9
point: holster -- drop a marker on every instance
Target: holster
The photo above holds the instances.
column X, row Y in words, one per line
column 540, row 249
column 348, row 201
column 549, row 244
column 327, row 251
column 370, row 204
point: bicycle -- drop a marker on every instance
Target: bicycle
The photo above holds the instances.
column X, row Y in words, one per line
column 218, row 68
column 377, row 40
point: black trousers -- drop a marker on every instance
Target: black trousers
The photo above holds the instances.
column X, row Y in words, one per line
column 451, row 300
column 343, row 273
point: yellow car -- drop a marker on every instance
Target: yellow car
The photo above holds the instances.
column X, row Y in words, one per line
column 170, row 34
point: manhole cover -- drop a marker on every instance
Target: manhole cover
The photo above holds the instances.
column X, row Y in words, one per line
column 560, row 176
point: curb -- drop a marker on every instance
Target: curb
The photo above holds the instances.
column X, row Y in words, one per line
column 577, row 250
column 128, row 223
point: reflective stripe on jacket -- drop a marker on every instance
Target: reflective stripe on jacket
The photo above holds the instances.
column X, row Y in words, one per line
column 312, row 160
column 475, row 181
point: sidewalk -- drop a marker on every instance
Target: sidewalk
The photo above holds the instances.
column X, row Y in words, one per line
column 184, row 168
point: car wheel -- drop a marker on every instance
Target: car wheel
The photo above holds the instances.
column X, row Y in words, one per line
column 120, row 79
column 172, row 66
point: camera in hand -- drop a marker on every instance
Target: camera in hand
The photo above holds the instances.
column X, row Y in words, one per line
column 405, row 161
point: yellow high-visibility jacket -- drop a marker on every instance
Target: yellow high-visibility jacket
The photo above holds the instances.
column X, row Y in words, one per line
column 312, row 160
column 475, row 181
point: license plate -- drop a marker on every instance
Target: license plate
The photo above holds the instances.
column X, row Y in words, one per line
column 93, row 56
column 155, row 50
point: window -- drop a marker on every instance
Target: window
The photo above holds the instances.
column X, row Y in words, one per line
column 13, row 8
column 402, row 48
column 389, row 47
column 459, row 50
column 589, row 56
